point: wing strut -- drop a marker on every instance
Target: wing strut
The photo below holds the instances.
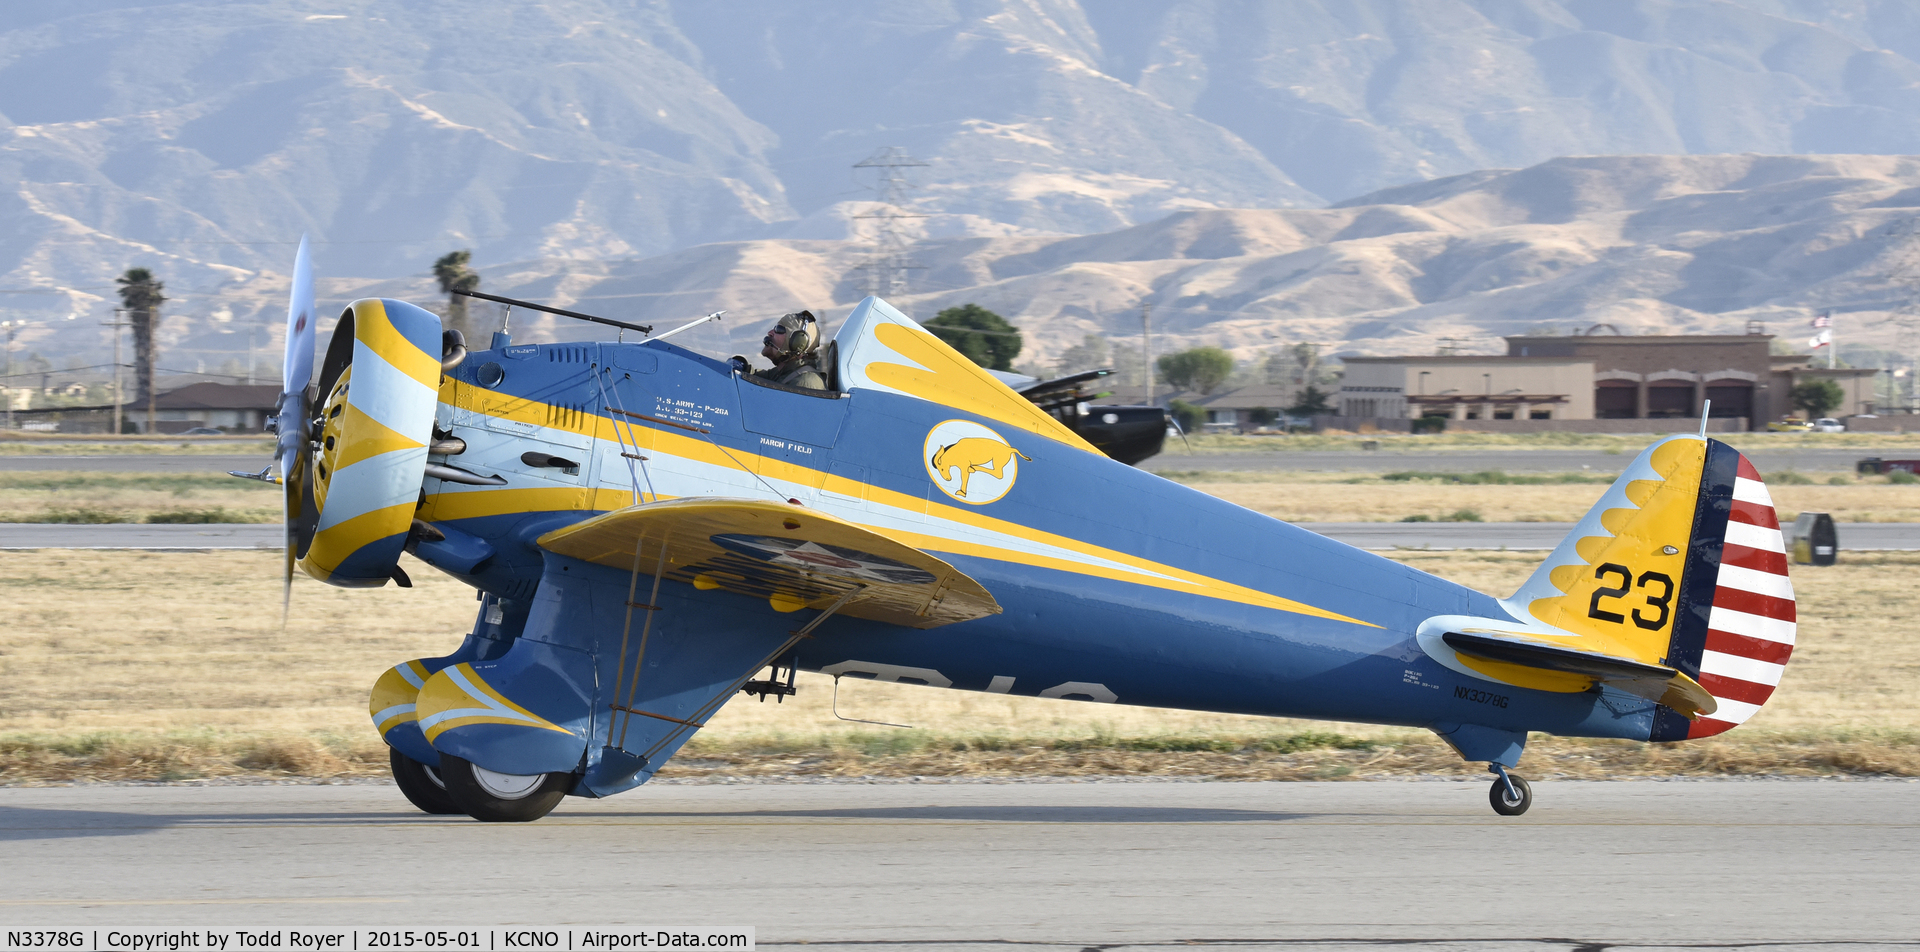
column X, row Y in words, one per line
column 652, row 605
column 705, row 711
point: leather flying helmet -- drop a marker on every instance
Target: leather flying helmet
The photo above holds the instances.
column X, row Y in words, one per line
column 803, row 332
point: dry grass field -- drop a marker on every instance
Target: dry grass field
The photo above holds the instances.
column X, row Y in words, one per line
column 1357, row 497
column 121, row 664
column 1623, row 443
column 47, row 496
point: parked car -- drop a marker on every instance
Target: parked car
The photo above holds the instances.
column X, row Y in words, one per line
column 1875, row 466
column 1789, row 425
column 1829, row 425
column 203, row 431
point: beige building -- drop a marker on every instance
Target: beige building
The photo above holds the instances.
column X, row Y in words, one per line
column 1598, row 377
column 1468, row 388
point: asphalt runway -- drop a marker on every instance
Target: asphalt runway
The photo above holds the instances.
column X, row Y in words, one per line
column 1333, row 866
column 1854, row 536
column 205, row 463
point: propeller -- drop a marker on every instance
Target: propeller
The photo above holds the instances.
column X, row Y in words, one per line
column 294, row 424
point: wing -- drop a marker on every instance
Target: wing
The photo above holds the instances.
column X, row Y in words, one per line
column 792, row 556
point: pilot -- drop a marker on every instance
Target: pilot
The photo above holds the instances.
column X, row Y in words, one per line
column 793, row 346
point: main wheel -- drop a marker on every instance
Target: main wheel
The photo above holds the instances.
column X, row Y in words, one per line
column 495, row 797
column 421, row 784
column 1505, row 803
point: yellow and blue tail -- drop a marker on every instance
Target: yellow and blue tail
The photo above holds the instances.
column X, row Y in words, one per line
column 1673, row 588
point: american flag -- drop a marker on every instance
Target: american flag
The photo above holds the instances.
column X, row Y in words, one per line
column 1823, row 319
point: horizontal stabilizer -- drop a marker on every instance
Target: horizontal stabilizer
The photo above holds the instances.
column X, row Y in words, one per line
column 1651, row 681
column 792, row 556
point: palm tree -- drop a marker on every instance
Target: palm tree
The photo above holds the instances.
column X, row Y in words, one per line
column 141, row 295
column 454, row 275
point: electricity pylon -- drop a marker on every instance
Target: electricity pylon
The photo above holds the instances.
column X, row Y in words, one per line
column 887, row 266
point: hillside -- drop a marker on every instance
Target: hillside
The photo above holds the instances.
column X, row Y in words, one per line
column 618, row 137
column 1649, row 244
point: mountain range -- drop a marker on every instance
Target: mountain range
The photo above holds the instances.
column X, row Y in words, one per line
column 697, row 152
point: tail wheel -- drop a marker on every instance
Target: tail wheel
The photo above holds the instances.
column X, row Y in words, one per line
column 1510, row 802
column 493, row 797
column 421, row 784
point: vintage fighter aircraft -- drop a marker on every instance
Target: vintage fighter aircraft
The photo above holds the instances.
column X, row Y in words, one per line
column 648, row 529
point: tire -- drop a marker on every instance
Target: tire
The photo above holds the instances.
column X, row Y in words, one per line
column 493, row 797
column 421, row 784
column 1506, row 805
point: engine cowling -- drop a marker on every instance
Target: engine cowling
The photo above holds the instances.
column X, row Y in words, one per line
column 380, row 383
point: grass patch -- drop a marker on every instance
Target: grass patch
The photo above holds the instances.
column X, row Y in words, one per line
column 94, row 517
column 185, row 755
column 178, row 484
column 1788, row 478
column 1627, row 443
column 215, row 515
column 36, row 444
column 1296, row 496
column 95, row 497
column 1494, row 477
column 1458, row 515
column 83, row 516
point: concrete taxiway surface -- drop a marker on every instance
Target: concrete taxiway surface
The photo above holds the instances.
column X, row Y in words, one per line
column 1854, row 536
column 1421, row 863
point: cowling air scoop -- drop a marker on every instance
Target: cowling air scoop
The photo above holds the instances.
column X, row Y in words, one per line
column 378, row 387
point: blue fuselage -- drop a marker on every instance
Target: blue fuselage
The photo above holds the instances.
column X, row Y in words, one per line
column 1090, row 560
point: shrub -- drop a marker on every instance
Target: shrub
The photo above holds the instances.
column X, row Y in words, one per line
column 981, row 335
column 1189, row 417
column 1816, row 397
column 1202, row 368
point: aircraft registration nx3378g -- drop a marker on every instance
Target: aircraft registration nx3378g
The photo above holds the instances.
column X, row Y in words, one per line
column 648, row 529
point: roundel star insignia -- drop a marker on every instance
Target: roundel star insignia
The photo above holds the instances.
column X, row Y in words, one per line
column 819, row 559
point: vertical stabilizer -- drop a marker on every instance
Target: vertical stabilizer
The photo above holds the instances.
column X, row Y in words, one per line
column 1682, row 565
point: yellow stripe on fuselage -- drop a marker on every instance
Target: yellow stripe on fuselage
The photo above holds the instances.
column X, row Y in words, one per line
column 664, row 443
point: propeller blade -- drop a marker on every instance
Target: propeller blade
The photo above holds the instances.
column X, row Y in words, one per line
column 294, row 451
column 286, row 582
column 298, row 370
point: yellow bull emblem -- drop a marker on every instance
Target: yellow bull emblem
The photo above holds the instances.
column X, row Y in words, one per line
column 974, row 454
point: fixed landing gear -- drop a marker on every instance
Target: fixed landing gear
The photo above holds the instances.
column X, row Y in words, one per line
column 494, row 797
column 1510, row 794
column 421, row 784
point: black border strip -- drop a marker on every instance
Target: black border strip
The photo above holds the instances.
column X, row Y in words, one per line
column 1700, row 578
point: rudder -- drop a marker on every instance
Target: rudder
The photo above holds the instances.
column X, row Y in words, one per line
column 1739, row 627
column 1681, row 564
